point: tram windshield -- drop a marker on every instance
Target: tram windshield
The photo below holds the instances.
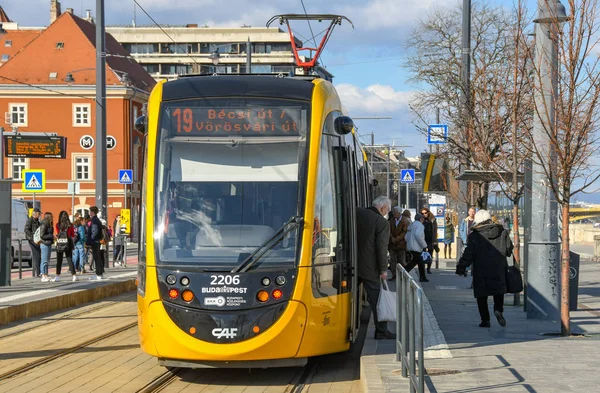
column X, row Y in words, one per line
column 229, row 177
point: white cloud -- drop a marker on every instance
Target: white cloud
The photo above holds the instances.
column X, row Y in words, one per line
column 376, row 98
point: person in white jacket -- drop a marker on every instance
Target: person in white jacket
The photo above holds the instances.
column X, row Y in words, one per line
column 416, row 244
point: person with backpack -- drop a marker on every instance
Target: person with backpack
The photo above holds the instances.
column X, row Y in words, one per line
column 79, row 250
column 65, row 233
column 31, row 226
column 47, row 238
column 93, row 237
column 104, row 241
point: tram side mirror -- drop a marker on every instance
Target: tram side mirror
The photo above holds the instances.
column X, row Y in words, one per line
column 140, row 124
column 343, row 125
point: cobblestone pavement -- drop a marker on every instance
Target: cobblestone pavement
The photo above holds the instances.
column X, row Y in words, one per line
column 517, row 358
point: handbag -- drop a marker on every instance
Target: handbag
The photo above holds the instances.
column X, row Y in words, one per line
column 386, row 305
column 514, row 281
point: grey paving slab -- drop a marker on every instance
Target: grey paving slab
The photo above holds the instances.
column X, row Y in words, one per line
column 516, row 358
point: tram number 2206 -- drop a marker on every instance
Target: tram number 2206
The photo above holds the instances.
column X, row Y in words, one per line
column 220, row 279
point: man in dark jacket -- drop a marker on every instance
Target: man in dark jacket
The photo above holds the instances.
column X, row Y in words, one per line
column 397, row 247
column 373, row 233
column 93, row 240
column 488, row 245
column 32, row 224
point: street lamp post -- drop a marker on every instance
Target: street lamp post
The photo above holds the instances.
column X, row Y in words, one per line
column 101, row 177
column 543, row 250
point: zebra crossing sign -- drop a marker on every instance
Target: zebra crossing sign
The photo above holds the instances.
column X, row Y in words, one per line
column 34, row 180
column 407, row 176
column 125, row 176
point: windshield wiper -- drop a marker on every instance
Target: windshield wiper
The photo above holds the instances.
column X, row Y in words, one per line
column 267, row 245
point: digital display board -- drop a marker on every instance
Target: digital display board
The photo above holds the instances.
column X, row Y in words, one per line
column 35, row 146
column 248, row 121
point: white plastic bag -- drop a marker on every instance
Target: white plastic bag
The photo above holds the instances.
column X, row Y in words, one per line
column 386, row 305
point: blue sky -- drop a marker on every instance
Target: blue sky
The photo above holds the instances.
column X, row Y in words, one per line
column 365, row 61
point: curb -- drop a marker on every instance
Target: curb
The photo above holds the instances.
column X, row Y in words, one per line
column 370, row 374
column 27, row 310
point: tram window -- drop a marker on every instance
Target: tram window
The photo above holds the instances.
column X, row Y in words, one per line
column 328, row 234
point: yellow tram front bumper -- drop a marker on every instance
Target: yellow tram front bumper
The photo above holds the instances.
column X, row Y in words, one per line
column 160, row 337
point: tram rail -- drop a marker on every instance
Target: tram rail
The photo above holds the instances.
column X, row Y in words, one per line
column 61, row 353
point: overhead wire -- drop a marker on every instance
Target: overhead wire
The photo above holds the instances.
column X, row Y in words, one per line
column 167, row 34
column 46, row 89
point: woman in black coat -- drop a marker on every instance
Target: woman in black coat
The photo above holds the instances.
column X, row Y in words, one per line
column 488, row 245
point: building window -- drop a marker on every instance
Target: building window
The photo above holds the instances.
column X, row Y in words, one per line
column 81, row 115
column 83, row 167
column 18, row 114
column 5, row 57
column 18, row 166
column 8, row 43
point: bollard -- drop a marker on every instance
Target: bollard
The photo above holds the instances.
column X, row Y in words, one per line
column 124, row 248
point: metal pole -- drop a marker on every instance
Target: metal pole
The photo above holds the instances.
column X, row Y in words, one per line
column 387, row 173
column 73, row 201
column 21, row 258
column 407, row 196
column 464, row 100
column 544, row 294
column 124, row 196
column 248, row 57
column 1, row 153
column 101, row 179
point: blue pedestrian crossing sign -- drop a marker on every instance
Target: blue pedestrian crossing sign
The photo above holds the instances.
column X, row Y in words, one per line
column 125, row 176
column 407, row 176
column 34, row 180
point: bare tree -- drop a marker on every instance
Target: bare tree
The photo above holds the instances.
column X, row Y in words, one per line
column 499, row 96
column 573, row 134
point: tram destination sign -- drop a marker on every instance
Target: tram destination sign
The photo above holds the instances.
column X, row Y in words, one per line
column 250, row 121
column 29, row 146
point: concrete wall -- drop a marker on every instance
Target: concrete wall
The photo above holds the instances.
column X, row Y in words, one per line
column 582, row 233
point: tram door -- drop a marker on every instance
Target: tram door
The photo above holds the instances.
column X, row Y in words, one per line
column 350, row 179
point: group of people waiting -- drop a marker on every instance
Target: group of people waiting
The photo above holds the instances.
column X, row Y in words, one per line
column 73, row 242
column 413, row 243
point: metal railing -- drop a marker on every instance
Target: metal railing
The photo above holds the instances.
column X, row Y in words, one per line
column 409, row 332
column 20, row 241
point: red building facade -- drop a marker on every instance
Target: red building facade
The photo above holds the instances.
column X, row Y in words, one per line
column 48, row 87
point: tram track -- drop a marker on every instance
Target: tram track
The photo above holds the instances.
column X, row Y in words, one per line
column 300, row 380
column 61, row 353
column 65, row 317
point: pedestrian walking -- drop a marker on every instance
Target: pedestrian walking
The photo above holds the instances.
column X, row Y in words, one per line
column 430, row 225
column 79, row 259
column 117, row 242
column 488, row 246
column 373, row 234
column 397, row 245
column 65, row 235
column 47, row 237
column 448, row 236
column 32, row 224
column 464, row 229
column 93, row 237
column 416, row 245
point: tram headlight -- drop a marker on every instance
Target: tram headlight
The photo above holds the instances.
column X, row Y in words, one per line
column 266, row 281
column 171, row 279
column 280, row 280
column 187, row 296
column 185, row 281
column 262, row 296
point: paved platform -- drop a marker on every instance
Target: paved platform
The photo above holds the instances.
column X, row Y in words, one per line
column 522, row 357
column 29, row 297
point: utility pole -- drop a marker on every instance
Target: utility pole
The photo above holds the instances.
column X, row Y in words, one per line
column 545, row 279
column 248, row 57
column 465, row 108
column 101, row 178
column 387, row 172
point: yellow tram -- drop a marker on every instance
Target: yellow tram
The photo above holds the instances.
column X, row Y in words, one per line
column 248, row 242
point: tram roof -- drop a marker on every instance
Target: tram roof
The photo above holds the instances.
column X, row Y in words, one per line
column 267, row 86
